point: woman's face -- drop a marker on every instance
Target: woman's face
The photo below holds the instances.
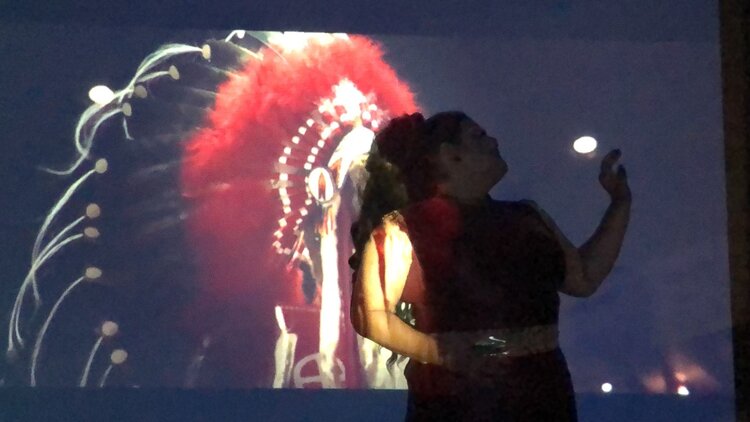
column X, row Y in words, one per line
column 477, row 159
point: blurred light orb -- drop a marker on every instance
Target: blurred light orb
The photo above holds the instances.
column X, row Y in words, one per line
column 584, row 144
column 118, row 356
column 607, row 387
column 683, row 391
column 101, row 94
column 109, row 328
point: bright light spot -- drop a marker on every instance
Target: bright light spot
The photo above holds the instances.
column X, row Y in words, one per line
column 607, row 387
column 91, row 232
column 127, row 109
column 287, row 150
column 92, row 273
column 290, row 41
column 118, row 356
column 347, row 95
column 101, row 94
column 584, row 145
column 93, row 211
column 101, row 166
column 109, row 328
column 174, row 73
column 140, row 92
column 683, row 391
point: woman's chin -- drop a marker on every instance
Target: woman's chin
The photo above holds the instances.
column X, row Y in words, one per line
column 501, row 170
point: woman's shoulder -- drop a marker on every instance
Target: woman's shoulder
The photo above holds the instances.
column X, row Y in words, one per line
column 433, row 212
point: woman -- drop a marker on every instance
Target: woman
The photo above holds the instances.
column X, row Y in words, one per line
column 482, row 276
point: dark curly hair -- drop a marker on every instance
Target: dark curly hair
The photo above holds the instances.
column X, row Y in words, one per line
column 402, row 169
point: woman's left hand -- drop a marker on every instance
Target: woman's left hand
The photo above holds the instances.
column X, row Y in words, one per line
column 615, row 183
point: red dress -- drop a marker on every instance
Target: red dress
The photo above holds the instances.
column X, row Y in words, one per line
column 490, row 265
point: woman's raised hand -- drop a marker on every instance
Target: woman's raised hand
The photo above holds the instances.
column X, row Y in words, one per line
column 615, row 183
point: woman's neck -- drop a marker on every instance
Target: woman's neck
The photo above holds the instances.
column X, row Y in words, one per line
column 463, row 197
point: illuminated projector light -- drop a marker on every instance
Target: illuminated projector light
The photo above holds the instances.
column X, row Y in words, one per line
column 295, row 139
column 607, row 387
column 101, row 95
column 683, row 391
column 584, row 145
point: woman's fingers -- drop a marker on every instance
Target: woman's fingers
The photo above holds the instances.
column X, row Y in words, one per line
column 609, row 160
column 615, row 182
column 622, row 173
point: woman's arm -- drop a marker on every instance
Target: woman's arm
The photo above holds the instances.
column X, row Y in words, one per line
column 376, row 293
column 589, row 265
column 600, row 252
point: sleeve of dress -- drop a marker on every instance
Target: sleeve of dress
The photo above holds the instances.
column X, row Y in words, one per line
column 529, row 209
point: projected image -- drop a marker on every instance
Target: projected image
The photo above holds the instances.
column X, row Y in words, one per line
column 235, row 176
column 194, row 230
